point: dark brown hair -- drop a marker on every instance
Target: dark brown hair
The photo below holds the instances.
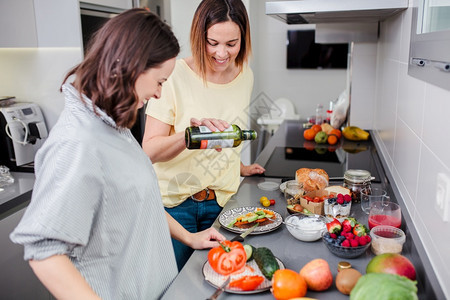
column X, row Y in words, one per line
column 211, row 12
column 124, row 48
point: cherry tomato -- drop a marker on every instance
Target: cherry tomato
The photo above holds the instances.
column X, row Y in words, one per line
column 262, row 199
column 247, row 283
column 316, row 199
column 272, row 201
column 307, row 198
column 266, row 203
column 227, row 258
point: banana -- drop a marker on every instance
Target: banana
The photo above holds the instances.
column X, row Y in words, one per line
column 354, row 133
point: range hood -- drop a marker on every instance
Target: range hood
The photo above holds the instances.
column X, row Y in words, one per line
column 334, row 11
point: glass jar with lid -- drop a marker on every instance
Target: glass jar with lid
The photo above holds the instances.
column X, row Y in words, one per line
column 355, row 181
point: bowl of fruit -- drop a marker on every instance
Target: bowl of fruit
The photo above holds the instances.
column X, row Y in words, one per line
column 348, row 239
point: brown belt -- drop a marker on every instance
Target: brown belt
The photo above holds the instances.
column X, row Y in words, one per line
column 203, row 195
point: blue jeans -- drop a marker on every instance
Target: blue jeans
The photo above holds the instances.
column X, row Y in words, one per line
column 194, row 216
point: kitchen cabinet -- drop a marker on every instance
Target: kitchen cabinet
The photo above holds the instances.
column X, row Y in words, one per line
column 17, row 280
column 39, row 23
column 122, row 4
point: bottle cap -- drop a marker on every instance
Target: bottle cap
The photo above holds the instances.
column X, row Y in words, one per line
column 344, row 265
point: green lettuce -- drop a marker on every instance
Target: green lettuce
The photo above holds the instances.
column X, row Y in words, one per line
column 381, row 286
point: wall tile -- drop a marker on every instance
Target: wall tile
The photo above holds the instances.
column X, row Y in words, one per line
column 404, row 154
column 405, row 36
column 437, row 122
column 432, row 229
column 386, row 105
column 411, row 99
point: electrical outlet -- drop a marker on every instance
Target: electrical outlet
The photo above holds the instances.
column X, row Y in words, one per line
column 442, row 204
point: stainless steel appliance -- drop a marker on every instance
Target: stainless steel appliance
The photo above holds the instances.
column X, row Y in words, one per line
column 22, row 133
column 92, row 18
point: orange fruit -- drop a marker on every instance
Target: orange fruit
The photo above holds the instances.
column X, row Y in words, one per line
column 332, row 139
column 316, row 128
column 337, row 132
column 309, row 134
column 287, row 284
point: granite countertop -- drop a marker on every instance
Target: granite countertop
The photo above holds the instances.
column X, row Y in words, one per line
column 190, row 282
column 17, row 195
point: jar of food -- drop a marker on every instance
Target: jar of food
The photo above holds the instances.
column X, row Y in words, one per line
column 342, row 265
column 355, row 181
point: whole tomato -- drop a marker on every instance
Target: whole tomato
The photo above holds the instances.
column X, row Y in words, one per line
column 227, row 258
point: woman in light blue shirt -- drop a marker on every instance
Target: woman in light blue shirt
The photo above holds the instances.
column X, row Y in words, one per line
column 96, row 227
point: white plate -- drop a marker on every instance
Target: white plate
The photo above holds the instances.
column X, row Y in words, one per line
column 268, row 186
column 283, row 185
column 216, row 280
column 228, row 216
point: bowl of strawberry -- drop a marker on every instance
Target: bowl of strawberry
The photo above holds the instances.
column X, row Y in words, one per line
column 346, row 239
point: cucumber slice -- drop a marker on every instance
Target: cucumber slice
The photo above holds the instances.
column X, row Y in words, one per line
column 249, row 251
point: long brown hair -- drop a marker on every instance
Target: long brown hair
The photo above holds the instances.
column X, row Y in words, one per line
column 124, row 48
column 211, row 12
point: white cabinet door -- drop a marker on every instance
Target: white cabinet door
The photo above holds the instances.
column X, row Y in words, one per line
column 17, row 24
column 40, row 23
column 122, row 4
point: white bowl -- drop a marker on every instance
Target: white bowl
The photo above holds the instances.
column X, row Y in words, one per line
column 307, row 228
column 387, row 239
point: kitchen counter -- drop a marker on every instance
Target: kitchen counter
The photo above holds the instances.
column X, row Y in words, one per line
column 190, row 283
column 17, row 195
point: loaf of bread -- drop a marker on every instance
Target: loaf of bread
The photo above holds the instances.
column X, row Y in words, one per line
column 312, row 179
column 338, row 189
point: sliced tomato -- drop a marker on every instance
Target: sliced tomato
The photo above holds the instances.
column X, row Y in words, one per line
column 247, row 283
column 227, row 258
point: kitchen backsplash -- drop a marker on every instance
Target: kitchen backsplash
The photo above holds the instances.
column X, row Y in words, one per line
column 411, row 118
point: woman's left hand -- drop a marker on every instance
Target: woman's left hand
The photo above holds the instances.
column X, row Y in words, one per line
column 251, row 169
column 207, row 238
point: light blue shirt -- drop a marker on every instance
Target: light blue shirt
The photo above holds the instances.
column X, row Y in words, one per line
column 96, row 199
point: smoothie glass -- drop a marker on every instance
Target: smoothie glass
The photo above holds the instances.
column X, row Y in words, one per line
column 385, row 213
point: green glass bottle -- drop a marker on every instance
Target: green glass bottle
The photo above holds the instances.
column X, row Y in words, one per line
column 202, row 138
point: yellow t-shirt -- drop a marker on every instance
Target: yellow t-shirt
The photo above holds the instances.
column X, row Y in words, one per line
column 185, row 96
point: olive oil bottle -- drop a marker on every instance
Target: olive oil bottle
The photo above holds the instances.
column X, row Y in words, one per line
column 202, row 138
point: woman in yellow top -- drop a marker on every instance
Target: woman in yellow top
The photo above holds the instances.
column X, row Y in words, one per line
column 211, row 86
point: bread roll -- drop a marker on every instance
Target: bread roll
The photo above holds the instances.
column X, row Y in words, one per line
column 312, row 179
column 338, row 189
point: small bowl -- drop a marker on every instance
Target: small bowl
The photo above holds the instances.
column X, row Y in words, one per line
column 307, row 228
column 387, row 239
column 345, row 252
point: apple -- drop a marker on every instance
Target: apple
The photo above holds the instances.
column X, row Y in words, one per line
column 392, row 263
column 317, row 275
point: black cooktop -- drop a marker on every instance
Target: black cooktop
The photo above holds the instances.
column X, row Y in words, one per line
column 284, row 161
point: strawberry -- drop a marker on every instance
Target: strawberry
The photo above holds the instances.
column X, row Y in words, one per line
column 359, row 229
column 334, row 226
column 346, row 228
column 349, row 221
column 354, row 243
